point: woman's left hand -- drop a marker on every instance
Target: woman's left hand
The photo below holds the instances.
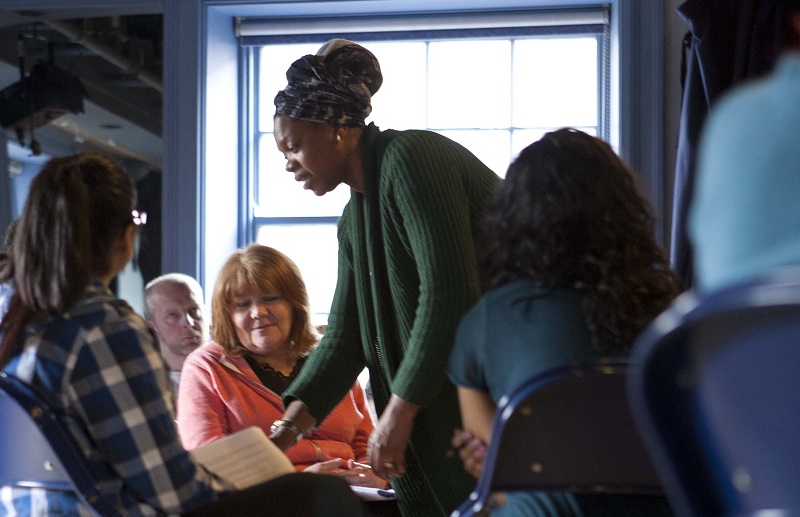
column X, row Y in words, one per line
column 389, row 439
column 354, row 473
column 362, row 475
column 471, row 451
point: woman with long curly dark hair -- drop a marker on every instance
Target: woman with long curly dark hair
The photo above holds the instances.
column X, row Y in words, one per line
column 572, row 273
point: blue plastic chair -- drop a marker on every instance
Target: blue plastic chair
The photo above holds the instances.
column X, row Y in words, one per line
column 567, row 429
column 715, row 389
column 37, row 451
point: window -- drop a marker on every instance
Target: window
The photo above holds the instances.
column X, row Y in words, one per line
column 494, row 89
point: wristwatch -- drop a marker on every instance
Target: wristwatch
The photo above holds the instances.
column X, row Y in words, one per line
column 289, row 425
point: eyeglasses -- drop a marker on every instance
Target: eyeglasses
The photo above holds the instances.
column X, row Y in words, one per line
column 139, row 218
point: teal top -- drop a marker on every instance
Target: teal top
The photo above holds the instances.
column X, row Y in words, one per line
column 514, row 333
column 407, row 274
column 745, row 216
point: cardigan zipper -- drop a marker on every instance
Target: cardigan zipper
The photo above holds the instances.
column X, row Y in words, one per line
column 382, row 369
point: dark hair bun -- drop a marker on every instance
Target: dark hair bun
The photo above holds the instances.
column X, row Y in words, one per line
column 355, row 63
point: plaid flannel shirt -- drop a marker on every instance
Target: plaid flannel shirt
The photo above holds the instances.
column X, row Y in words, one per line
column 98, row 365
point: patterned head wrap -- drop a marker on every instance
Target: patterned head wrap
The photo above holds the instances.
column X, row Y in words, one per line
column 334, row 86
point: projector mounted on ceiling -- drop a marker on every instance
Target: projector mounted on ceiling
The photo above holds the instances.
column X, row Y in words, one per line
column 47, row 93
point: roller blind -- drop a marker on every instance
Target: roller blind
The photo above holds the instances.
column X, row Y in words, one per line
column 256, row 31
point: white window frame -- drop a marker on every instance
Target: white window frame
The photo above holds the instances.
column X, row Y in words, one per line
column 254, row 34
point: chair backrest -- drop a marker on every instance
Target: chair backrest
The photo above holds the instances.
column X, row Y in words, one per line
column 715, row 388
column 567, row 429
column 37, row 450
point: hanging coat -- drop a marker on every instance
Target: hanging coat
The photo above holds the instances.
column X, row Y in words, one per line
column 728, row 41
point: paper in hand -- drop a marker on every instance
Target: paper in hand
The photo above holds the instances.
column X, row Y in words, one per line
column 244, row 459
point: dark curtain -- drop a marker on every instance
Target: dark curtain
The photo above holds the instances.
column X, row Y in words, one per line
column 149, row 200
column 728, row 41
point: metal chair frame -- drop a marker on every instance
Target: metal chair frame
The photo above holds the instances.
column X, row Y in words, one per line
column 569, row 428
column 38, row 451
column 693, row 386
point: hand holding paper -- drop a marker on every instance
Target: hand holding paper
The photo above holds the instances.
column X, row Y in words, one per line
column 244, row 459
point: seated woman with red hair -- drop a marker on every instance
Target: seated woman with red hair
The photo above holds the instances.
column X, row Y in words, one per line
column 262, row 335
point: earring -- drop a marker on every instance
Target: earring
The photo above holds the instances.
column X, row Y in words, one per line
column 338, row 137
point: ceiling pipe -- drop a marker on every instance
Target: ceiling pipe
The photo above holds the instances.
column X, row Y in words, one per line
column 85, row 137
column 104, row 51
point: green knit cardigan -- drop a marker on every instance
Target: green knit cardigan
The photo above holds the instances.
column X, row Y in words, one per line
column 407, row 274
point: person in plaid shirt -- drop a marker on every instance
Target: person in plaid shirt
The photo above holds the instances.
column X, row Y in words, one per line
column 93, row 359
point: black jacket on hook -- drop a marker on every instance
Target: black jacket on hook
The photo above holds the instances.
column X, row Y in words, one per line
column 728, row 41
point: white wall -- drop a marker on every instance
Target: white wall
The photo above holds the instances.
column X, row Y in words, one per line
column 130, row 287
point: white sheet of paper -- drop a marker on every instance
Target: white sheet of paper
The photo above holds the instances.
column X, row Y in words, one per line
column 373, row 494
column 244, row 459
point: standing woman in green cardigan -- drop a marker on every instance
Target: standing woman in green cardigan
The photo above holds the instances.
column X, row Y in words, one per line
column 407, row 270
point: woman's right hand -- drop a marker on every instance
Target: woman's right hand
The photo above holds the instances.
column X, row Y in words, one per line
column 325, row 467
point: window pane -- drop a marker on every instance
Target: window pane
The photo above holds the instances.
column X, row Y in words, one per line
column 494, row 96
column 400, row 103
column 555, row 82
column 492, row 147
column 275, row 60
column 314, row 248
column 522, row 138
column 468, row 84
column 279, row 195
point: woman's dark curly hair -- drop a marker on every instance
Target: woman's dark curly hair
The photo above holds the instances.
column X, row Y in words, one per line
column 569, row 215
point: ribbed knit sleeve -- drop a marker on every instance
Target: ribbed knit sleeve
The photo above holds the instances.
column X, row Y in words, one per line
column 433, row 197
